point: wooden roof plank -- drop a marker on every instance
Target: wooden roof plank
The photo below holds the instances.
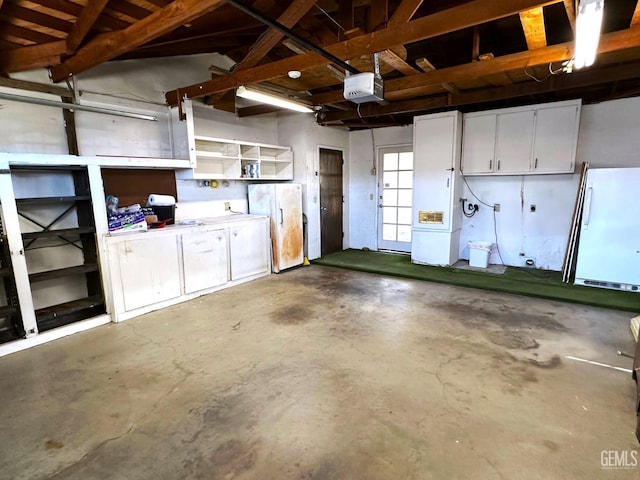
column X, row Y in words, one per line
column 83, row 24
column 16, row 31
column 111, row 45
column 291, row 16
column 446, row 21
column 35, row 17
column 570, row 7
column 533, row 26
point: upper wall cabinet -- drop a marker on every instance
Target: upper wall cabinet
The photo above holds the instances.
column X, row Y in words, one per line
column 538, row 139
column 218, row 158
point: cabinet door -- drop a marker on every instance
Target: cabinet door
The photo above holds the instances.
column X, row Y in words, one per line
column 514, row 143
column 205, row 260
column 434, row 161
column 555, row 141
column 149, row 271
column 249, row 248
column 478, row 144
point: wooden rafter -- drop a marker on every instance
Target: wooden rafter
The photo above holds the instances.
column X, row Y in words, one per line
column 109, row 46
column 405, row 12
column 533, row 26
column 291, row 16
column 570, row 7
column 83, row 24
column 33, row 56
column 456, row 18
column 575, row 80
column 635, row 20
column 406, row 87
column 35, row 87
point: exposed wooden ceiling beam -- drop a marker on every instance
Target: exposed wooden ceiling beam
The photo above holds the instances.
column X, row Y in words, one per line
column 405, row 11
column 635, row 20
column 83, row 24
column 570, row 7
column 554, row 83
column 35, row 87
column 33, row 56
column 400, row 88
column 333, row 71
column 456, row 18
column 290, row 17
column 39, row 18
column 111, row 45
column 533, row 26
column 378, row 14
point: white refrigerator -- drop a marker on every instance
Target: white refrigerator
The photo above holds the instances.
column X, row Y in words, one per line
column 609, row 245
column 282, row 202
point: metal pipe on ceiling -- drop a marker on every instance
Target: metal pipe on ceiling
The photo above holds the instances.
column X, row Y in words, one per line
column 73, row 106
column 287, row 31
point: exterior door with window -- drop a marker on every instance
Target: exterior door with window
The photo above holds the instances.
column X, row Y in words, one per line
column 395, row 194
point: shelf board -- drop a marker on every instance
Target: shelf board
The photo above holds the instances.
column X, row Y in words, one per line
column 62, row 272
column 58, row 233
column 275, row 160
column 49, row 200
column 205, row 154
column 64, row 313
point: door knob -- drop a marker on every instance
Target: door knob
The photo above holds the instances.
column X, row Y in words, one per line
column 323, row 208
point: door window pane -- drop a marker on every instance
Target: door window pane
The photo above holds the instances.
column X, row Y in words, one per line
column 405, row 179
column 404, row 216
column 390, row 215
column 404, row 198
column 389, row 233
column 390, row 179
column 404, row 233
column 390, row 197
column 390, row 161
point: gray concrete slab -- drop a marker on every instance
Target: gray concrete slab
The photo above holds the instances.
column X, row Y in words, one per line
column 320, row 373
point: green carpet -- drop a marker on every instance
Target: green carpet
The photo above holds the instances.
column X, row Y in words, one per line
column 521, row 281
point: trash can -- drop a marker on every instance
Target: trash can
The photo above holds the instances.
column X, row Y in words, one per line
column 479, row 254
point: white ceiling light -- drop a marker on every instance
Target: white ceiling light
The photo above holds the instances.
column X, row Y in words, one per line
column 244, row 92
column 294, row 74
column 588, row 26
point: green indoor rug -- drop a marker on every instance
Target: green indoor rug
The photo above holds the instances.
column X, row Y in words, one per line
column 521, row 281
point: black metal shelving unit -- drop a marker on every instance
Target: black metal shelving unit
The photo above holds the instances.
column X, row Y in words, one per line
column 10, row 321
column 82, row 237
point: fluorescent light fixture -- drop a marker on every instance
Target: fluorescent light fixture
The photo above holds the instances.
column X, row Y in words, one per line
column 244, row 92
column 588, row 26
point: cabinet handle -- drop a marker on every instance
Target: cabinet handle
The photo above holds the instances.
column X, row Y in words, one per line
column 281, row 216
column 536, row 164
column 448, row 182
column 219, row 238
column 498, row 164
column 235, row 234
column 490, row 164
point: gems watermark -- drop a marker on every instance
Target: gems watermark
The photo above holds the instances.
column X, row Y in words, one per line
column 619, row 459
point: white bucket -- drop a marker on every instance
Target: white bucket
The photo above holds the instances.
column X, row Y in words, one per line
column 479, row 254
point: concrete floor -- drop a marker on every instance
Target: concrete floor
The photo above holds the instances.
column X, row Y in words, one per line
column 319, row 373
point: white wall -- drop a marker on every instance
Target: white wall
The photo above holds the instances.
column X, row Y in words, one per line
column 363, row 185
column 306, row 138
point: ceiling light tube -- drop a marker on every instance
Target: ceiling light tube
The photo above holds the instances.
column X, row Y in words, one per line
column 244, row 92
column 588, row 26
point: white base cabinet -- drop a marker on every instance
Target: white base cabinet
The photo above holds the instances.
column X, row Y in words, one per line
column 154, row 269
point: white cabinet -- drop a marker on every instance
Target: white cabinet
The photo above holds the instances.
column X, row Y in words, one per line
column 249, row 249
column 154, row 269
column 218, row 158
column 205, row 260
column 554, row 149
column 479, row 143
column 538, row 139
column 437, row 188
column 514, row 142
column 149, row 272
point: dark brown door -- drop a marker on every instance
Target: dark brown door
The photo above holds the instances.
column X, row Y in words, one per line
column 330, row 201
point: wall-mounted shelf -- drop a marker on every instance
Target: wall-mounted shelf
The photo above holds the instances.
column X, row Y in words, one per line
column 218, row 158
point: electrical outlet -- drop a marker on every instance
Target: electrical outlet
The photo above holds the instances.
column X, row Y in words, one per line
column 227, row 206
column 496, row 207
